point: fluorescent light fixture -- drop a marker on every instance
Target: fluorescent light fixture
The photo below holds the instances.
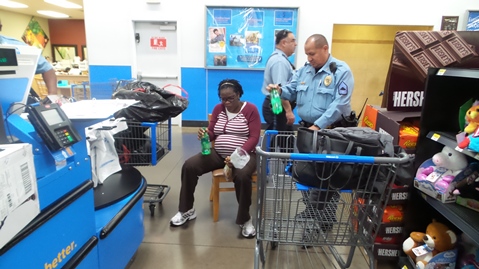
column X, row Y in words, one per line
column 12, row 4
column 63, row 3
column 53, row 14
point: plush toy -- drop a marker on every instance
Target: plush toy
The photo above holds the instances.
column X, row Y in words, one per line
column 472, row 119
column 468, row 187
column 438, row 238
column 447, row 164
column 471, row 141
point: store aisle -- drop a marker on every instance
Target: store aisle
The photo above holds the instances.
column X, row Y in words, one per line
column 202, row 243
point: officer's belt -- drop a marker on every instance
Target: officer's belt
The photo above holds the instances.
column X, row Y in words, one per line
column 305, row 124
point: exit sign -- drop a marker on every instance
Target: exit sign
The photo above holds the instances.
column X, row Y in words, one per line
column 158, row 43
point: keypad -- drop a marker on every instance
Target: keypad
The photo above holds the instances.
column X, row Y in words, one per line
column 64, row 136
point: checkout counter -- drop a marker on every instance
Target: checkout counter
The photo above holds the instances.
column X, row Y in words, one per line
column 70, row 224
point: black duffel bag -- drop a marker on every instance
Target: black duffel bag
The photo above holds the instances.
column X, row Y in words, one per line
column 359, row 141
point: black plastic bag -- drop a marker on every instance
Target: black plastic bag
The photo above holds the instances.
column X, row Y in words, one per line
column 156, row 104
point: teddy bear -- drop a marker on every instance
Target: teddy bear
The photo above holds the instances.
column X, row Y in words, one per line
column 447, row 164
column 438, row 238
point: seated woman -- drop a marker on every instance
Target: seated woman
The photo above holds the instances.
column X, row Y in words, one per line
column 234, row 123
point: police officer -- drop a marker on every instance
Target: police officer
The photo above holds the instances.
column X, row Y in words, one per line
column 279, row 70
column 322, row 88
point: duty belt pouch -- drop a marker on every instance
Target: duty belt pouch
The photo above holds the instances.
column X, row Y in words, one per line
column 339, row 141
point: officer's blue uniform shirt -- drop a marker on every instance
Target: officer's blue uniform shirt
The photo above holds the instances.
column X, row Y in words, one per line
column 278, row 61
column 42, row 66
column 319, row 101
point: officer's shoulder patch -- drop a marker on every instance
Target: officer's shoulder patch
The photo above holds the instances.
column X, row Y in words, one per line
column 343, row 88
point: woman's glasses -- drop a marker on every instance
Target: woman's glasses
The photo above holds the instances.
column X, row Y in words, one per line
column 228, row 99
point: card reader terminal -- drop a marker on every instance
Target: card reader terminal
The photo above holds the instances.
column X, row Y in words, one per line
column 53, row 126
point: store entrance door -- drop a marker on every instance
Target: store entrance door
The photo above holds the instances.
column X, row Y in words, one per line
column 157, row 58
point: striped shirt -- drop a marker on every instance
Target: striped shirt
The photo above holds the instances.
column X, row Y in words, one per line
column 243, row 130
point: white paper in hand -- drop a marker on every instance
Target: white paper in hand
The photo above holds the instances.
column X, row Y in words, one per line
column 239, row 158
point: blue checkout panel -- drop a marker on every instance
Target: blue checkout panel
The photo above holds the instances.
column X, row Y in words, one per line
column 78, row 226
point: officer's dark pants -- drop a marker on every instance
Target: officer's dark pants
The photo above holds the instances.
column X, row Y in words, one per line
column 320, row 199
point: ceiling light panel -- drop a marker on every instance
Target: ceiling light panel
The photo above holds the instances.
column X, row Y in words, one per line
column 12, row 4
column 53, row 14
column 63, row 4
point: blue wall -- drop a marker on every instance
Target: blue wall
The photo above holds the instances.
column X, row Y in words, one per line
column 202, row 87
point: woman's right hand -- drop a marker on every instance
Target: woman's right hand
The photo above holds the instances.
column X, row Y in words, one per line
column 201, row 133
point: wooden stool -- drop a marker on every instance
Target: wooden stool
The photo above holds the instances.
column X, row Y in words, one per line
column 218, row 177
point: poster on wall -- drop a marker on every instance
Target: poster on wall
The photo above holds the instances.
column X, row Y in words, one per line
column 473, row 21
column 34, row 35
column 243, row 38
column 449, row 23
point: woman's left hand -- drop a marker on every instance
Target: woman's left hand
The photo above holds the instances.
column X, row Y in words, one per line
column 228, row 162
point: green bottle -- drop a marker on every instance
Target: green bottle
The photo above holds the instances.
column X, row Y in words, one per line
column 205, row 143
column 276, row 105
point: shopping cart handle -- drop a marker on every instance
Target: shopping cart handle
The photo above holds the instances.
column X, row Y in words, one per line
column 401, row 158
column 331, row 158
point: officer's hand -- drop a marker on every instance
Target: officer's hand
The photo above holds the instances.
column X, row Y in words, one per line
column 314, row 127
column 273, row 86
column 290, row 118
column 201, row 133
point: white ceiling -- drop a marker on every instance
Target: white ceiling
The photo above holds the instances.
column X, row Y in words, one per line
column 34, row 5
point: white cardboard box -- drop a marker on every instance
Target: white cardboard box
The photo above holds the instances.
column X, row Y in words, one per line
column 19, row 202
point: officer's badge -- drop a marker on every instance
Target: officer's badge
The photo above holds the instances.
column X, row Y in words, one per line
column 327, row 80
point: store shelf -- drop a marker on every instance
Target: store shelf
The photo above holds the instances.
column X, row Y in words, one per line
column 463, row 218
column 406, row 263
column 449, row 139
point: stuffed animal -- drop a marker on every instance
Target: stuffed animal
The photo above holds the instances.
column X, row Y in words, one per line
column 447, row 164
column 468, row 187
column 471, row 141
column 438, row 238
column 472, row 119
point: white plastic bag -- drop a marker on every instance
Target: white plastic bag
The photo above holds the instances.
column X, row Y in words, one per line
column 239, row 158
column 104, row 158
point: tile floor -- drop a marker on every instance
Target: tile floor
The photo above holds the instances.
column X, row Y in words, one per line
column 202, row 243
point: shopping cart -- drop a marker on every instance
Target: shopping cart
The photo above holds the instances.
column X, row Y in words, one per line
column 145, row 144
column 303, row 227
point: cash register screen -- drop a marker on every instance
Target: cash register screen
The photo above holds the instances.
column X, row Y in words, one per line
column 52, row 117
column 14, row 87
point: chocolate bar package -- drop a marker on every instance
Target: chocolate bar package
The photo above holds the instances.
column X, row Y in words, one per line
column 414, row 52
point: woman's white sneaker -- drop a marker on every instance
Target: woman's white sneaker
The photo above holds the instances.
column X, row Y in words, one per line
column 248, row 229
column 181, row 218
